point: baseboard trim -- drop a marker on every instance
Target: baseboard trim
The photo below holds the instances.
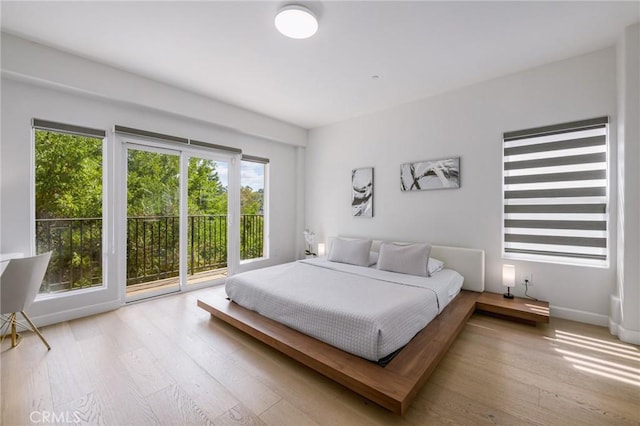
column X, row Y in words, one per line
column 627, row 336
column 580, row 316
column 71, row 314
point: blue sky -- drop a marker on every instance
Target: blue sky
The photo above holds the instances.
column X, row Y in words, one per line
column 252, row 174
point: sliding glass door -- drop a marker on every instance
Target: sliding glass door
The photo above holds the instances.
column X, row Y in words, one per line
column 153, row 221
column 177, row 219
column 207, row 219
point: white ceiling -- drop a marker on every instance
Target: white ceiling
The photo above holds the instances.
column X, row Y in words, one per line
column 231, row 51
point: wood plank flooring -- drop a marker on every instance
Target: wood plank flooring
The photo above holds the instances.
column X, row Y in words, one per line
column 167, row 362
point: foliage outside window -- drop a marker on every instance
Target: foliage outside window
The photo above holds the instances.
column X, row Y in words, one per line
column 153, row 246
column 153, row 225
column 207, row 221
column 252, row 209
column 68, row 209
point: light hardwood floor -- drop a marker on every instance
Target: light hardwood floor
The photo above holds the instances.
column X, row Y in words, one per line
column 166, row 361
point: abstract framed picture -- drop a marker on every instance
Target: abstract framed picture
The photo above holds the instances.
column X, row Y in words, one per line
column 430, row 174
column 362, row 192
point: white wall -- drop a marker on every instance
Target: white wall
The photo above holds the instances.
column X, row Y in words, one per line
column 23, row 100
column 625, row 302
column 31, row 61
column 468, row 123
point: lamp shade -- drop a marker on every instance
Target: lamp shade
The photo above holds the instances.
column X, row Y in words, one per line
column 508, row 275
column 321, row 249
column 296, row 21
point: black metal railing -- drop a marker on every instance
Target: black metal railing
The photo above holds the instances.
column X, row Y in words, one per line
column 251, row 236
column 76, row 259
column 153, row 251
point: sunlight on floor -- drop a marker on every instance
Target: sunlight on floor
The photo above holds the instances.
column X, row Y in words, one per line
column 604, row 358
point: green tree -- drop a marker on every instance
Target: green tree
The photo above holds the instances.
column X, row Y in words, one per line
column 251, row 223
column 68, row 176
column 153, row 184
column 206, row 193
column 251, row 202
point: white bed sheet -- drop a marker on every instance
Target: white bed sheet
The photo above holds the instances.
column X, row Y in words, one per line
column 363, row 311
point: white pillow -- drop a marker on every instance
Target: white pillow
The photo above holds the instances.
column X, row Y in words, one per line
column 434, row 265
column 373, row 258
column 404, row 258
column 354, row 252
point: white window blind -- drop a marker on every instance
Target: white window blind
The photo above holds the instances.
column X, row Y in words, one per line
column 555, row 193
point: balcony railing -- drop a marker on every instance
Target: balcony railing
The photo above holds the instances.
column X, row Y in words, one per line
column 76, row 261
column 153, row 251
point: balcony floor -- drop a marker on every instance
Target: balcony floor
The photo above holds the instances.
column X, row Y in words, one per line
column 173, row 282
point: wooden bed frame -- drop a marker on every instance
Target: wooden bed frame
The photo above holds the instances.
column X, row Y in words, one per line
column 394, row 386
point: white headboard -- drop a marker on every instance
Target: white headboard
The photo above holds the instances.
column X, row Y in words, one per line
column 467, row 261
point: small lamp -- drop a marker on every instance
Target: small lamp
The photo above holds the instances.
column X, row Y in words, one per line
column 508, row 279
column 321, row 249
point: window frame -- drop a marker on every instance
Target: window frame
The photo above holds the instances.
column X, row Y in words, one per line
column 265, row 205
column 72, row 129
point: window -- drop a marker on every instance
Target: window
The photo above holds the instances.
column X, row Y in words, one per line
column 68, row 204
column 252, row 207
column 555, row 193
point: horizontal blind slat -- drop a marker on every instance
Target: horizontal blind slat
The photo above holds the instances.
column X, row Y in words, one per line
column 556, row 146
column 556, row 247
column 556, row 240
column 556, row 177
column 554, row 193
column 556, row 224
column 557, row 128
column 556, row 208
column 557, row 161
column 558, row 253
column 557, row 232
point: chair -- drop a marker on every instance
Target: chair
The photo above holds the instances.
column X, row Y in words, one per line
column 19, row 285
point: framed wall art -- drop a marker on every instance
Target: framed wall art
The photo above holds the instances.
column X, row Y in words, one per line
column 362, row 192
column 430, row 174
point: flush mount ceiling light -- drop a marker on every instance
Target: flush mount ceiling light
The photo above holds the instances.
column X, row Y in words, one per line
column 296, row 21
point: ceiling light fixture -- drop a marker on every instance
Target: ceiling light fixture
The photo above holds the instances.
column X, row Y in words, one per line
column 296, row 21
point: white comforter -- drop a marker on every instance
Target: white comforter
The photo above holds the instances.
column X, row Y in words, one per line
column 364, row 311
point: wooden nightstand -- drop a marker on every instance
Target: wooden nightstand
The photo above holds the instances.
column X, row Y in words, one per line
column 519, row 309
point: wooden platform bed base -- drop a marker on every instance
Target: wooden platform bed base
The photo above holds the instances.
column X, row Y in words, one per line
column 394, row 386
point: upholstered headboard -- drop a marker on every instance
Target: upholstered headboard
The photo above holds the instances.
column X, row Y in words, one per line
column 467, row 261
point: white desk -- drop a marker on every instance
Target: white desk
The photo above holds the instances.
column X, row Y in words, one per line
column 6, row 257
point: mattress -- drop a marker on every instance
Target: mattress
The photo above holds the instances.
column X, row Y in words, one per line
column 363, row 311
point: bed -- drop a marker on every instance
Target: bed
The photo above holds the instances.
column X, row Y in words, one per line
column 398, row 329
column 362, row 310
